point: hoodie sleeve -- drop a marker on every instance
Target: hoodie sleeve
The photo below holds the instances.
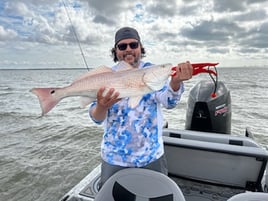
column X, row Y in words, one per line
column 169, row 98
column 93, row 104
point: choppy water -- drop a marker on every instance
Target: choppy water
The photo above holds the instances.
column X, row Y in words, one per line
column 42, row 158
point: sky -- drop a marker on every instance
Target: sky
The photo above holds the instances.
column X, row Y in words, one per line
column 42, row 33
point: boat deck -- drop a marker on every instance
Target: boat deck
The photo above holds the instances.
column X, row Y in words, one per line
column 192, row 190
column 197, row 191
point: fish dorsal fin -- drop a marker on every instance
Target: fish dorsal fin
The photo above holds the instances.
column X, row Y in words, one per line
column 122, row 66
column 98, row 70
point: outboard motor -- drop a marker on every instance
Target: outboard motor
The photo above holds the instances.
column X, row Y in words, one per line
column 209, row 108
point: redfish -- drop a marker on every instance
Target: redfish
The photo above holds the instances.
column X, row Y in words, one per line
column 128, row 81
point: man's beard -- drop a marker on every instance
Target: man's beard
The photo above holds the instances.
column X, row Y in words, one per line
column 135, row 62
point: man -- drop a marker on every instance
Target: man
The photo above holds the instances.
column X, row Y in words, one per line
column 133, row 136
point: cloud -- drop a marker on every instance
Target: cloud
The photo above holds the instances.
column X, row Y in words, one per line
column 251, row 16
column 229, row 5
column 106, row 12
column 7, row 34
column 214, row 29
column 257, row 37
column 166, row 8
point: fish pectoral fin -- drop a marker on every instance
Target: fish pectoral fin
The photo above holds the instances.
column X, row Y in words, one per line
column 84, row 101
column 149, row 81
column 154, row 86
column 156, row 76
column 134, row 101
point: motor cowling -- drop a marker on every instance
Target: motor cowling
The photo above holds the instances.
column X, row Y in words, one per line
column 206, row 112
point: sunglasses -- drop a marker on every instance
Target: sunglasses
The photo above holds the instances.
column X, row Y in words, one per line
column 132, row 45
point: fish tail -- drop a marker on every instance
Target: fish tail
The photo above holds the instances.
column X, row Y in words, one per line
column 47, row 98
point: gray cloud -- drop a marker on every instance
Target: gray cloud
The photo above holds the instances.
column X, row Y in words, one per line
column 221, row 50
column 252, row 15
column 212, row 31
column 229, row 5
column 166, row 8
column 259, row 37
column 104, row 20
column 189, row 10
column 107, row 11
column 233, row 6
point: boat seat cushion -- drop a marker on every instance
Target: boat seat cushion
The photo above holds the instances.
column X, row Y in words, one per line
column 250, row 196
column 138, row 184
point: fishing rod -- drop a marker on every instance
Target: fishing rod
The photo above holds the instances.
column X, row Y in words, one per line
column 75, row 34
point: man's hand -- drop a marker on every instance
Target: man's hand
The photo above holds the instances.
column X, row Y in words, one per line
column 184, row 71
column 104, row 102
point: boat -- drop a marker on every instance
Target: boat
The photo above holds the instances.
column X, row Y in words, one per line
column 206, row 162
